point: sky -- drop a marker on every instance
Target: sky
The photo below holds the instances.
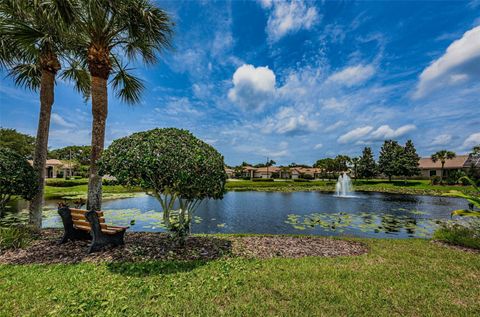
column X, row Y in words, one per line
column 294, row 81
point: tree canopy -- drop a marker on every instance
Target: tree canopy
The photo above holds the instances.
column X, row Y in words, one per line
column 17, row 177
column 367, row 168
column 23, row 144
column 409, row 160
column 80, row 154
column 172, row 165
column 389, row 159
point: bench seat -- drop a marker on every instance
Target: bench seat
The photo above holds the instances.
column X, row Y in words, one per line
column 82, row 224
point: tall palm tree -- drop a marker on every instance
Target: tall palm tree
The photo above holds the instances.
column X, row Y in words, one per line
column 111, row 33
column 32, row 38
column 442, row 156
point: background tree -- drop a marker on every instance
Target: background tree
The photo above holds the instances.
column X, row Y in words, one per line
column 80, row 154
column 389, row 159
column 354, row 161
column 106, row 32
column 367, row 168
column 23, row 144
column 409, row 161
column 17, row 177
column 328, row 166
column 173, row 166
column 341, row 163
column 36, row 35
column 442, row 156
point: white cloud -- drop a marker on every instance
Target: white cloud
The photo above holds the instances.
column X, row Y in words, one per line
column 289, row 120
column 472, row 140
column 459, row 63
column 59, row 120
column 442, row 139
column 288, row 17
column 355, row 134
column 253, row 87
column 318, row 146
column 386, row 132
column 353, row 75
column 335, row 126
column 178, row 106
column 334, row 104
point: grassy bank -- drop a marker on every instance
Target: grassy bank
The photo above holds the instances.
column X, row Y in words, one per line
column 396, row 278
column 417, row 187
column 78, row 188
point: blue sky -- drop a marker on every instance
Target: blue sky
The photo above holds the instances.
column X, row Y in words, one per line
column 295, row 81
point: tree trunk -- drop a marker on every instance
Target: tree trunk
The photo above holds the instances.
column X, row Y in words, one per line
column 441, row 174
column 41, row 145
column 99, row 112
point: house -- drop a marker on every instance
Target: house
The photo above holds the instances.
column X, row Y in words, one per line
column 266, row 172
column 230, row 172
column 54, row 167
column 430, row 169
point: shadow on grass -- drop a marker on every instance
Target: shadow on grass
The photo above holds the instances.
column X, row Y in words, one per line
column 142, row 269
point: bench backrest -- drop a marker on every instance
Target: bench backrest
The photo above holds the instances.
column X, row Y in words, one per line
column 81, row 222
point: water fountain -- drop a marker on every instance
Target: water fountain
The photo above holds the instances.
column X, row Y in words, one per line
column 343, row 188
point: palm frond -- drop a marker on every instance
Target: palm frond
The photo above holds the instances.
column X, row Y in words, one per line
column 27, row 75
column 128, row 88
column 78, row 73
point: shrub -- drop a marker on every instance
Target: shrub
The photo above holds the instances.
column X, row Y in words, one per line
column 262, row 179
column 17, row 177
column 14, row 237
column 246, row 178
column 173, row 166
column 459, row 235
column 435, row 180
column 60, row 182
column 300, row 180
column 110, row 182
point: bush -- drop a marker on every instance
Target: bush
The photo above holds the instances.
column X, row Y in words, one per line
column 17, row 177
column 459, row 235
column 172, row 165
column 435, row 180
column 300, row 180
column 60, row 182
column 14, row 237
column 306, row 176
column 246, row 178
column 262, row 179
column 110, row 182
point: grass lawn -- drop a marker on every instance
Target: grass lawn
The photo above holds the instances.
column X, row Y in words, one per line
column 420, row 187
column 396, row 278
column 80, row 191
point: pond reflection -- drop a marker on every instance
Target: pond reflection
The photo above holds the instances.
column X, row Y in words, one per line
column 366, row 215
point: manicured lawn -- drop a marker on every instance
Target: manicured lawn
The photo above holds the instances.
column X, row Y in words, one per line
column 419, row 187
column 397, row 278
column 80, row 191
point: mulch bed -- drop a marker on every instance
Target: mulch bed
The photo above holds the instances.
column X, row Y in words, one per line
column 145, row 246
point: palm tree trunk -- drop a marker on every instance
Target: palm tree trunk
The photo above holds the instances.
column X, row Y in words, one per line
column 41, row 145
column 99, row 112
column 441, row 173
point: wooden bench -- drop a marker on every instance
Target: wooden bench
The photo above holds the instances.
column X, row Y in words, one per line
column 82, row 224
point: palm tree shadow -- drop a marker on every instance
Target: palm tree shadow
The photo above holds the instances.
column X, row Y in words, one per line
column 142, row 269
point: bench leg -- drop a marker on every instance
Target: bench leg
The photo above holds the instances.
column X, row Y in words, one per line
column 103, row 241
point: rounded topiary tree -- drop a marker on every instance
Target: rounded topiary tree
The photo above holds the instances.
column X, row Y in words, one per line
column 173, row 166
column 17, row 177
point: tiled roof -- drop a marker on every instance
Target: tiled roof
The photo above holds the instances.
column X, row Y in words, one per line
column 456, row 162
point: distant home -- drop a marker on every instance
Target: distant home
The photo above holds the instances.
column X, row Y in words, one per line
column 461, row 162
column 55, row 168
column 277, row 172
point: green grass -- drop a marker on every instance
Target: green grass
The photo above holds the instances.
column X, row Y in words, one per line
column 459, row 235
column 80, row 191
column 397, row 278
column 418, row 187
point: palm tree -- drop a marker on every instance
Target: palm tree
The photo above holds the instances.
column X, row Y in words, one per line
column 442, row 156
column 32, row 38
column 109, row 33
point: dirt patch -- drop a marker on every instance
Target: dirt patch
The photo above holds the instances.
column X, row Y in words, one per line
column 457, row 247
column 145, row 246
column 294, row 247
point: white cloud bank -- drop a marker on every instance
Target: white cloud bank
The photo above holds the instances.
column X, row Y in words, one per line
column 59, row 120
column 253, row 87
column 442, row 139
column 367, row 133
column 288, row 17
column 460, row 63
column 289, row 121
column 472, row 140
column 353, row 75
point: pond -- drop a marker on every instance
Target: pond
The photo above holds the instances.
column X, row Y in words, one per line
column 365, row 215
